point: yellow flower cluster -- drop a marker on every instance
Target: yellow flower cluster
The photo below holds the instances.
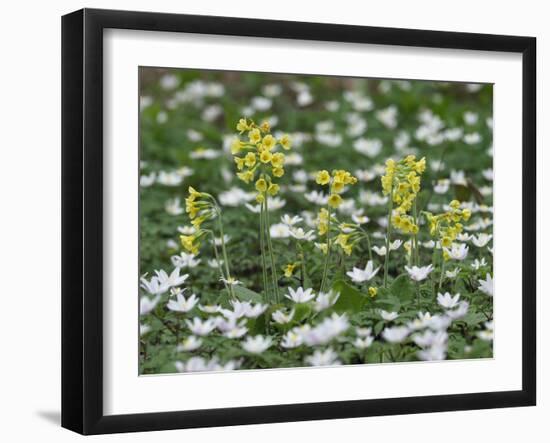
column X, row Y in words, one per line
column 200, row 209
column 337, row 181
column 446, row 226
column 402, row 182
column 256, row 156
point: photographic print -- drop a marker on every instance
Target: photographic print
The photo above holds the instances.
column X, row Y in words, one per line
column 291, row 220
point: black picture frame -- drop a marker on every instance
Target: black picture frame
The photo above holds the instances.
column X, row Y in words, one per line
column 82, row 219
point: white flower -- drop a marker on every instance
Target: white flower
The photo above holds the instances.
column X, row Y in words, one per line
column 453, row 273
column 147, row 304
column 325, row 300
column 147, row 180
column 235, row 197
column 323, row 358
column 213, row 263
column 199, row 327
column 447, row 300
column 169, row 81
column 202, row 153
column 300, row 234
column 388, row 316
column 442, row 186
column 257, row 344
column 478, row 264
column 421, row 321
column 185, row 260
column 431, row 338
column 230, row 327
column 280, row 317
column 210, row 309
column 290, row 221
column 486, row 285
column 394, row 245
column 363, row 332
column 300, row 295
column 488, row 174
column 419, row 273
column 363, row 343
column 172, row 280
column 458, row 178
column 199, row 364
column 459, row 312
column 173, row 206
column 231, row 281
column 361, row 275
column 143, row 329
column 254, row 311
column 388, row 116
column 433, row 353
column 181, row 304
column 315, row 197
column 327, row 330
column 292, row 339
column 396, row 334
column 481, row 240
column 458, row 251
column 439, row 322
column 186, row 230
column 189, row 344
column 359, row 219
column 153, row 286
column 169, row 178
column 470, row 118
column 370, row 148
column 279, row 230
column 217, row 241
column 472, row 138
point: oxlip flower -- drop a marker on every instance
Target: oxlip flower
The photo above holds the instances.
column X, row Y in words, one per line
column 358, row 275
column 419, row 273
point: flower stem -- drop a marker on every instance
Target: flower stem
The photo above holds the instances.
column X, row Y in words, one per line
column 416, row 259
column 262, row 249
column 442, row 272
column 219, row 263
column 327, row 258
column 270, row 248
column 224, row 251
column 388, row 240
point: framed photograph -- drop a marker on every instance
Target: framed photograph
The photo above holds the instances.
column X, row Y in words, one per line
column 269, row 221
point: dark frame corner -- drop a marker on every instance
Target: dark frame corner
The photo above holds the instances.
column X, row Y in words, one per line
column 82, row 348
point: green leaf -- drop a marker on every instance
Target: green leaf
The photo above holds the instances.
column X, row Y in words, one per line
column 350, row 300
column 301, row 312
column 402, row 288
column 245, row 294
